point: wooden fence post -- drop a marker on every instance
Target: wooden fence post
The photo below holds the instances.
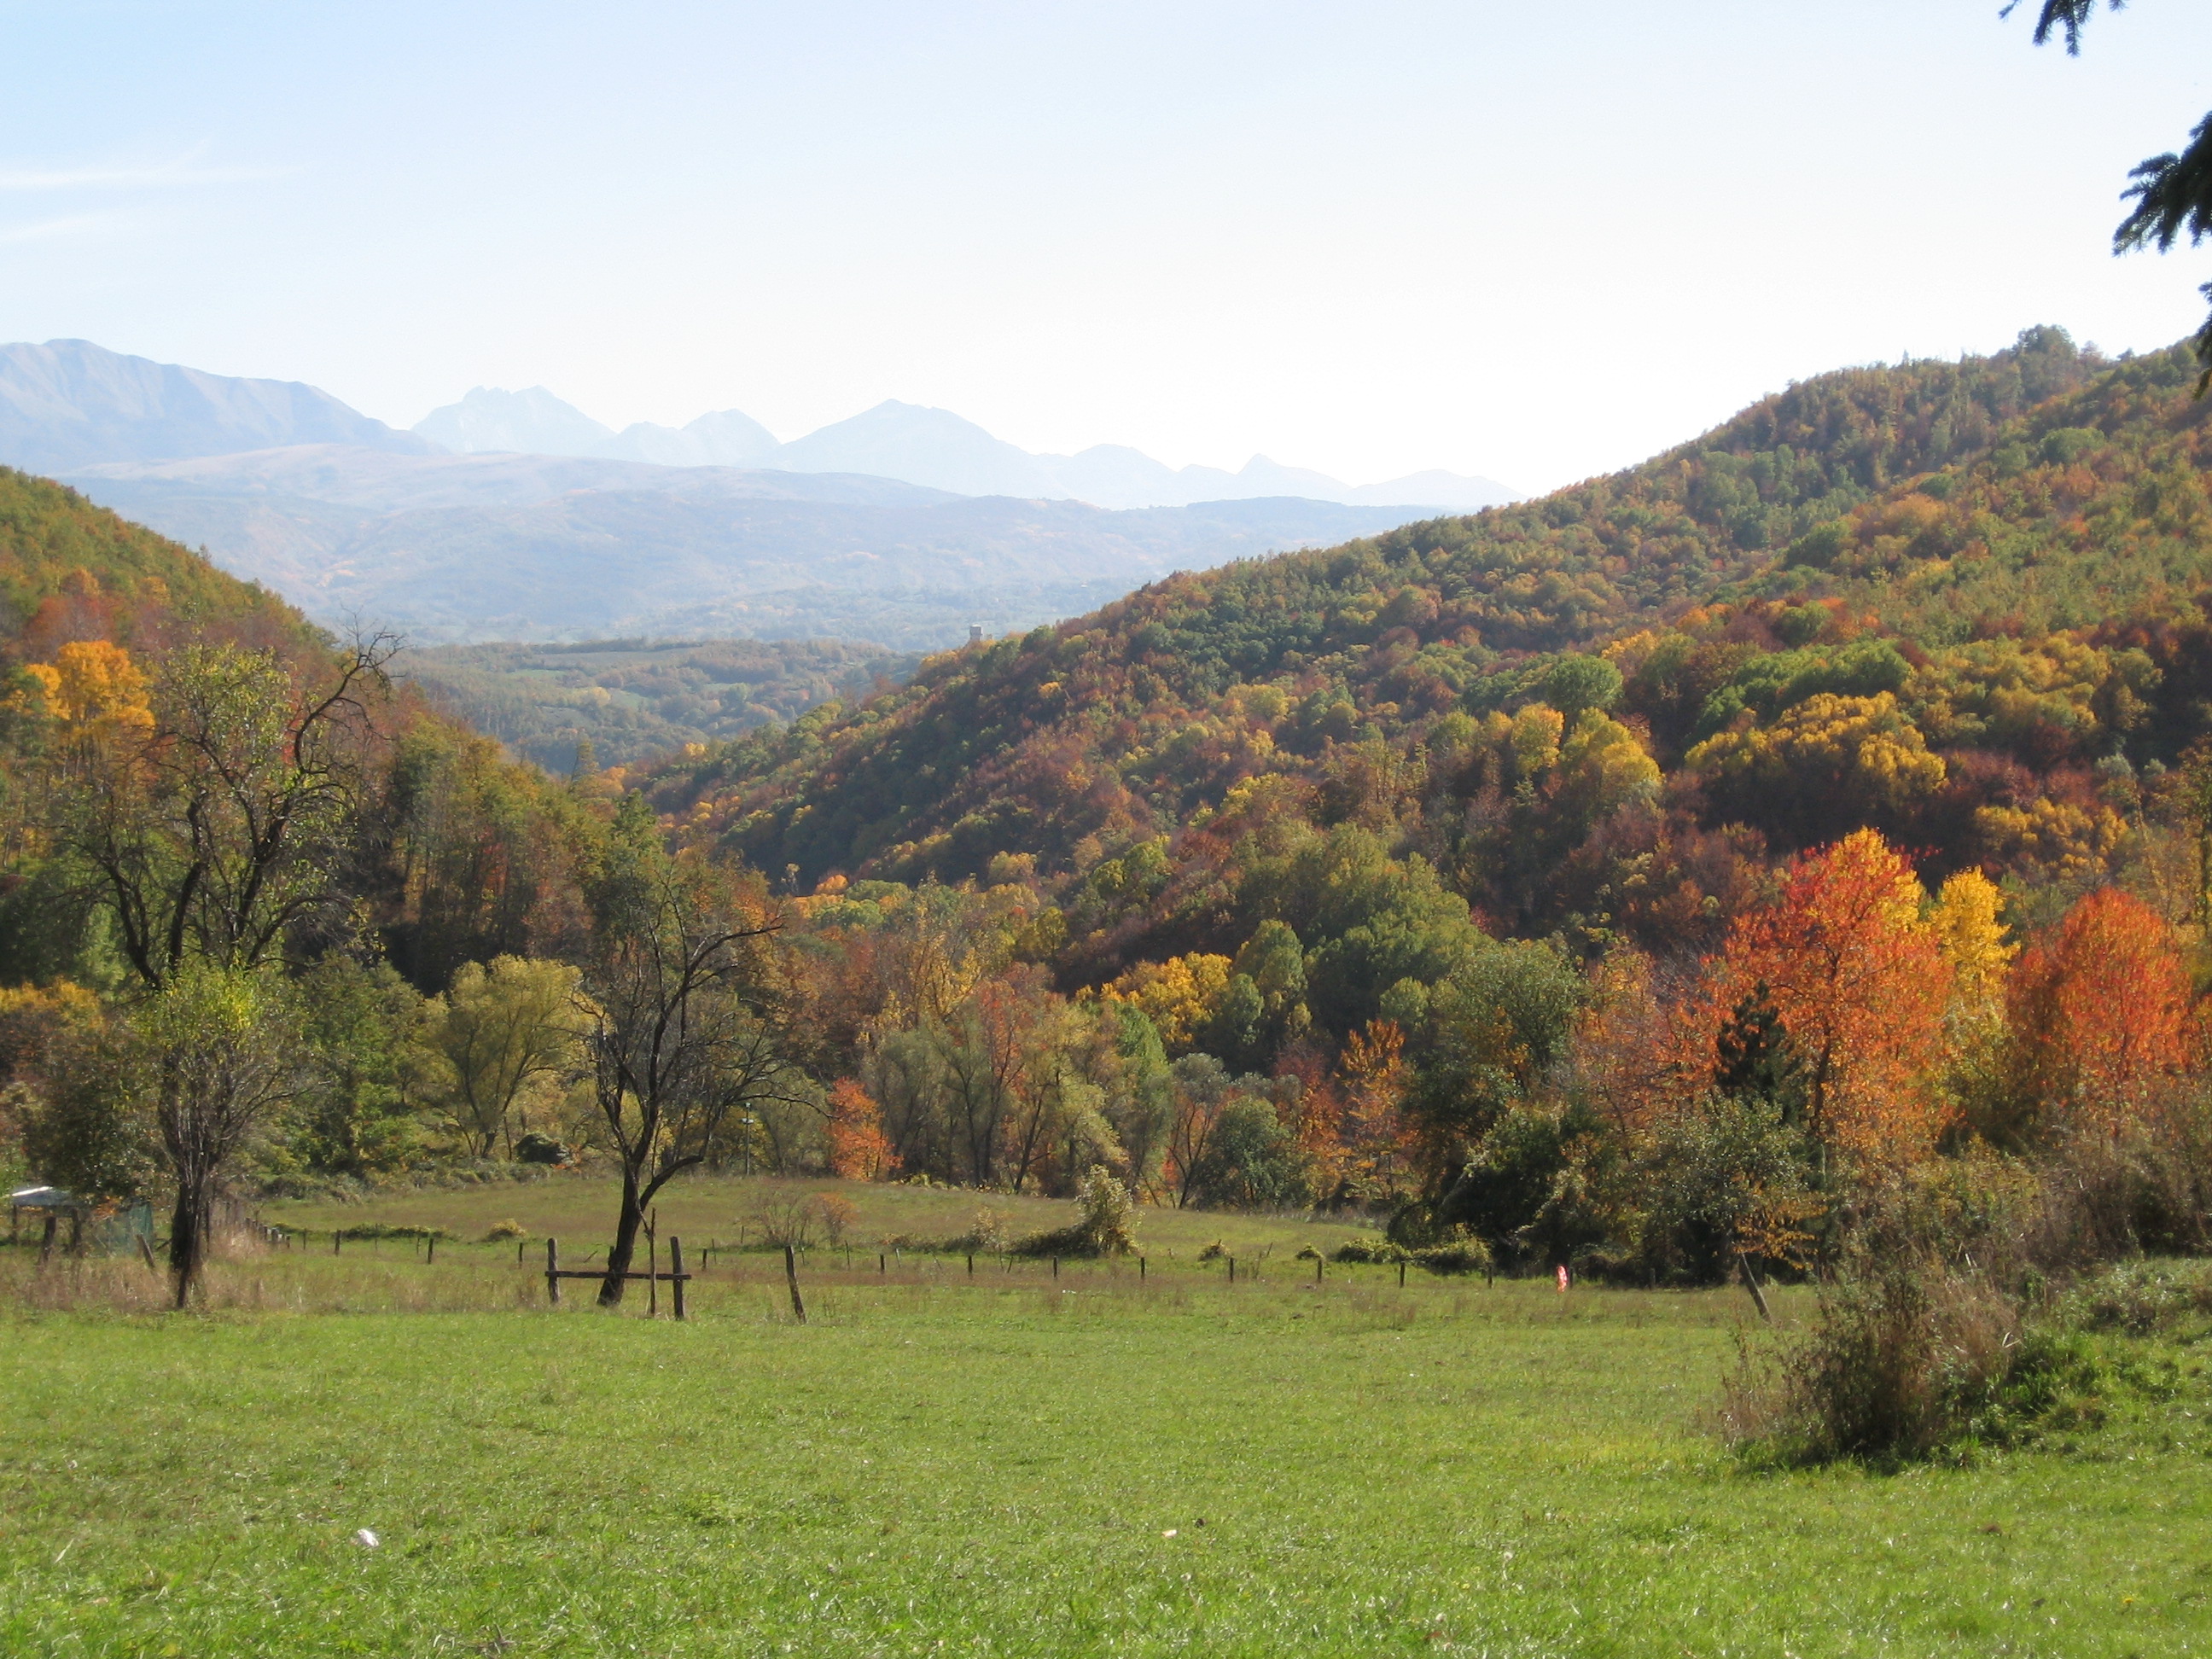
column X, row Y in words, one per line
column 553, row 1270
column 883, row 1261
column 1140, row 1270
column 791, row 1273
column 1233, row 1270
column 676, row 1271
column 1751, row 1283
column 1401, row 1275
column 1316, row 1270
column 337, row 1237
column 1055, row 1266
column 971, row 1264
column 517, row 1253
column 433, row 1256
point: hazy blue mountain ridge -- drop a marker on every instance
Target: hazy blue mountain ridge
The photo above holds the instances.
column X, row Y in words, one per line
column 923, row 446
column 70, row 404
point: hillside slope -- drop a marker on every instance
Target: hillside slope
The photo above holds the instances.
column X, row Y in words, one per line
column 1987, row 567
column 69, row 569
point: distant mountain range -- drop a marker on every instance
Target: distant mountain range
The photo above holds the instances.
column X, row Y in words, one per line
column 69, row 403
column 931, row 447
column 518, row 537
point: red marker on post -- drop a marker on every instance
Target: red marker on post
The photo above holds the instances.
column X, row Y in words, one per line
column 1563, row 1278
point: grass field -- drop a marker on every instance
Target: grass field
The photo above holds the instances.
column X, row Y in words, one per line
column 1010, row 1464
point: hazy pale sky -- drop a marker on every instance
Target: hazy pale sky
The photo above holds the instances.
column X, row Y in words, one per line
column 1535, row 242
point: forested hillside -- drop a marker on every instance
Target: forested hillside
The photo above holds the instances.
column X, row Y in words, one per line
column 69, row 569
column 1953, row 602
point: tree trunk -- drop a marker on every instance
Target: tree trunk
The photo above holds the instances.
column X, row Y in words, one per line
column 624, row 1249
column 188, row 1226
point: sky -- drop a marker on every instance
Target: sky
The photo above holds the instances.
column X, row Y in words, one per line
column 1533, row 243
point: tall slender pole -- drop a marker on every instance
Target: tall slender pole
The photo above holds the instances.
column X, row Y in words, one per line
column 553, row 1270
column 676, row 1271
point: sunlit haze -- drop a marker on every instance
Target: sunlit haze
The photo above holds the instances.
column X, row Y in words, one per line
column 1527, row 242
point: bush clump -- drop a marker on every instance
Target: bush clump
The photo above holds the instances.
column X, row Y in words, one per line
column 1107, row 1227
column 1370, row 1251
column 535, row 1148
column 1908, row 1362
column 1460, row 1256
column 504, row 1230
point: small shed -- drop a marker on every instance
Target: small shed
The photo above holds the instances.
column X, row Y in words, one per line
column 50, row 1202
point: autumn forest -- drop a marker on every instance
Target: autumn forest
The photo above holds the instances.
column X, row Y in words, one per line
column 1795, row 844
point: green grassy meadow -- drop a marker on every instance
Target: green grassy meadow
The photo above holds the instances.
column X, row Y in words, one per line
column 1008, row 1465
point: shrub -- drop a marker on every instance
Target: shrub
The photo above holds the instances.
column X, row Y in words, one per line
column 1370, row 1251
column 535, row 1148
column 1109, row 1214
column 834, row 1213
column 1061, row 1241
column 1464, row 1256
column 987, row 1230
column 782, row 1219
column 1908, row 1362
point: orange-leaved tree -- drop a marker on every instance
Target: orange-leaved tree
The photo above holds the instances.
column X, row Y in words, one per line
column 859, row 1148
column 1860, row 982
column 1379, row 1142
column 2099, row 1014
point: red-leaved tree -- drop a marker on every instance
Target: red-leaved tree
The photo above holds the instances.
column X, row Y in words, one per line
column 2099, row 1014
column 1860, row 983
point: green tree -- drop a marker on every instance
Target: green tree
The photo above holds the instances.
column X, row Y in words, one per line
column 1754, row 1061
column 1252, row 1159
column 500, row 1029
column 1497, row 1027
column 1141, row 1105
column 367, row 1069
column 86, row 1123
column 223, row 1061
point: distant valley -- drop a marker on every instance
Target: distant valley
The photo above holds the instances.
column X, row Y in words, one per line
column 464, row 548
column 634, row 700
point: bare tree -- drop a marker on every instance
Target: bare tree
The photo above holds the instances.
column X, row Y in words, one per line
column 220, row 834
column 682, row 1033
